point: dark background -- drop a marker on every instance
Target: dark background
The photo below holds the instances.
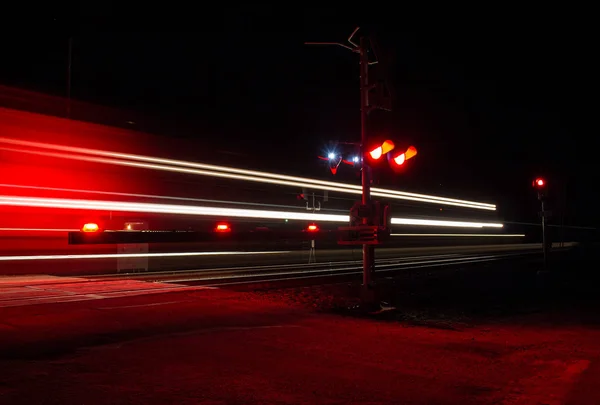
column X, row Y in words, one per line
column 491, row 98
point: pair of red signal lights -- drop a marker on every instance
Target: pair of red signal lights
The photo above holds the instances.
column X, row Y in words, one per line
column 386, row 147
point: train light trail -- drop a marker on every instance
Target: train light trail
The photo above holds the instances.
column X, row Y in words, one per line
column 453, row 235
column 233, row 173
column 430, row 222
column 37, row 230
column 63, row 203
column 152, row 196
column 133, row 255
column 392, row 194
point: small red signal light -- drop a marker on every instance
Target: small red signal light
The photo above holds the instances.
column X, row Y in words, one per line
column 539, row 182
column 90, row 227
column 312, row 228
column 223, row 228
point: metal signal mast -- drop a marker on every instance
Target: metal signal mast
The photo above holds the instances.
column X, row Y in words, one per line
column 367, row 104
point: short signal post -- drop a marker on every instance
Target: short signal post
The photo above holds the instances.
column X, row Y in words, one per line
column 540, row 185
column 312, row 228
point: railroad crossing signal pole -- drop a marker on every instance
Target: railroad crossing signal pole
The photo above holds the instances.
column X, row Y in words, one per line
column 362, row 49
column 368, row 250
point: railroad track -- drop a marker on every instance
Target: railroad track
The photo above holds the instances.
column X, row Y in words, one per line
column 272, row 273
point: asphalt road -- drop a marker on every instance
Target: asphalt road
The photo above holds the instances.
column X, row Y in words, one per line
column 222, row 347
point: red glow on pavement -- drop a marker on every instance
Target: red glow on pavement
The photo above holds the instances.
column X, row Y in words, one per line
column 244, row 327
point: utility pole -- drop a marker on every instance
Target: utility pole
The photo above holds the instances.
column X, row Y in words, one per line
column 368, row 250
column 362, row 49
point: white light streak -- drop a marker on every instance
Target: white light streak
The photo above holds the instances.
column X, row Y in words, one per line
column 472, row 235
column 235, row 173
column 357, row 190
column 132, row 255
column 155, row 197
column 63, row 203
column 429, row 222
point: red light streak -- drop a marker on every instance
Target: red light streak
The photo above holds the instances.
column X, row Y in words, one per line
column 232, row 173
column 157, row 197
column 37, row 230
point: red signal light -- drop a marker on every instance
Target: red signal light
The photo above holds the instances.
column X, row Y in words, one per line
column 404, row 156
column 90, row 227
column 376, row 153
column 539, row 182
column 223, row 228
column 400, row 159
column 381, row 150
column 312, row 228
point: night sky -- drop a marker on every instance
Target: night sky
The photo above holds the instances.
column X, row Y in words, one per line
column 490, row 102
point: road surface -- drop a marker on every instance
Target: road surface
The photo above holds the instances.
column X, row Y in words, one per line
column 222, row 347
